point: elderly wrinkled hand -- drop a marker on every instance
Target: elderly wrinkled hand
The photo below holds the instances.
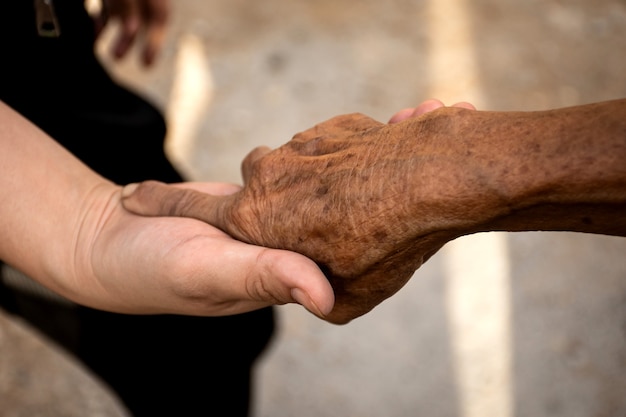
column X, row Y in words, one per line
column 370, row 202
column 338, row 193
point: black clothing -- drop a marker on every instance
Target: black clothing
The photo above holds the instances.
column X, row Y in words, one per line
column 159, row 365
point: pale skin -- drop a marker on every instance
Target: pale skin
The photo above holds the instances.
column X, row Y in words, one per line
column 371, row 202
column 64, row 226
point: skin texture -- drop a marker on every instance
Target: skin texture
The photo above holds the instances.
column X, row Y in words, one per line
column 371, row 202
column 64, row 226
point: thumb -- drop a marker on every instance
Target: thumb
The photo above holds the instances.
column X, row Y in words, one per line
column 281, row 276
column 153, row 198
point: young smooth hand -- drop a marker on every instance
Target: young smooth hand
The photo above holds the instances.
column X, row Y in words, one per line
column 185, row 266
column 64, row 226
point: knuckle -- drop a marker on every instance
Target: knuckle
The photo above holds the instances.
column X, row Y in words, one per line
column 260, row 283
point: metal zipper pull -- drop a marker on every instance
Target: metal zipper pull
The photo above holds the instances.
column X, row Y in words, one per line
column 47, row 23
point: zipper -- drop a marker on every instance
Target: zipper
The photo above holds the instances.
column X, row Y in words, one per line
column 47, row 22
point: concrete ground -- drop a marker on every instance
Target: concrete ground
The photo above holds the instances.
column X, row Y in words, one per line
column 528, row 324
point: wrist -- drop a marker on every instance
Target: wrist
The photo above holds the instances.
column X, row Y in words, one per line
column 69, row 266
column 476, row 171
column 561, row 169
column 455, row 157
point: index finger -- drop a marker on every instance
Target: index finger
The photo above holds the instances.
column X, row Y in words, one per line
column 254, row 155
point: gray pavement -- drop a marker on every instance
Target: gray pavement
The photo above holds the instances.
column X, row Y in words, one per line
column 528, row 324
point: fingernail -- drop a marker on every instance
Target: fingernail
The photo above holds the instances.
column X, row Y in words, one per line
column 304, row 300
column 129, row 189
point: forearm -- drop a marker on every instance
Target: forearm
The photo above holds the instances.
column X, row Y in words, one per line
column 370, row 202
column 562, row 170
column 44, row 190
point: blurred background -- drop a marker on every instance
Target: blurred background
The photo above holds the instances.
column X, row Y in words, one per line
column 527, row 324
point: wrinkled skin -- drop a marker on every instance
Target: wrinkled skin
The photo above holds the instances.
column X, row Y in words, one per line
column 339, row 193
column 342, row 209
column 371, row 202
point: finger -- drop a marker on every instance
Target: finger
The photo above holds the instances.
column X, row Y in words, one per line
column 254, row 155
column 130, row 23
column 213, row 188
column 126, row 38
column 424, row 107
column 155, row 15
column 277, row 277
column 212, row 274
column 427, row 106
column 464, row 105
column 153, row 198
column 401, row 115
column 251, row 277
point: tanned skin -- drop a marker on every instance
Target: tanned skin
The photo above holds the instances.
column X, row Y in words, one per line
column 370, row 202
